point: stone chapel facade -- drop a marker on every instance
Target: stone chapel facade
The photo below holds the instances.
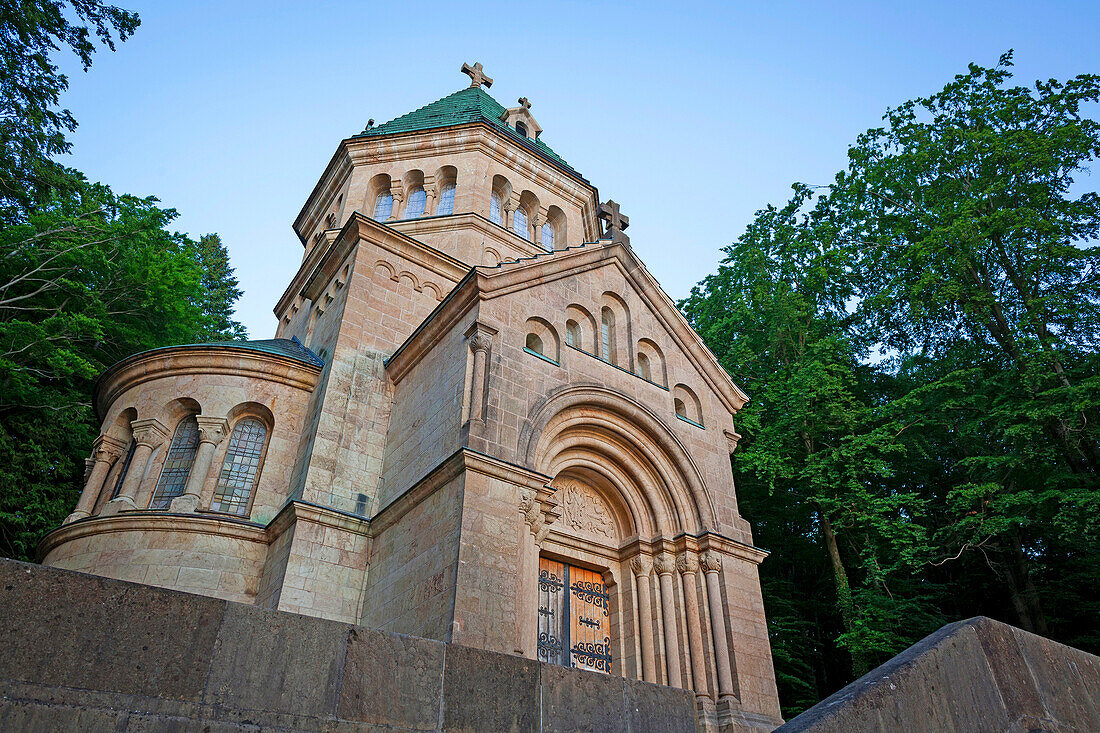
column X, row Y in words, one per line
column 481, row 421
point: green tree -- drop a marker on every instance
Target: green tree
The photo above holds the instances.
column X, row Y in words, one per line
column 87, row 277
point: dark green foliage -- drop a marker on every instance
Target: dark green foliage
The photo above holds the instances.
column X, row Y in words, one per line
column 87, row 277
column 920, row 345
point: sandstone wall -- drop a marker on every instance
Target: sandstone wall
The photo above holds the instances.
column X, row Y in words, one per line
column 88, row 653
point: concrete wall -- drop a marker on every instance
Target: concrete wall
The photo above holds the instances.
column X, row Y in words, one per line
column 88, row 653
column 973, row 675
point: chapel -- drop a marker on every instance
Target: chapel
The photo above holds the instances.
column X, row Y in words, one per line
column 480, row 420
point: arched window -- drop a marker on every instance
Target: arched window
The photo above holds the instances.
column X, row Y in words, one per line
column 177, row 464
column 521, row 129
column 548, row 237
column 681, row 408
column 237, row 478
column 125, row 468
column 519, row 223
column 495, row 209
column 643, row 367
column 418, row 199
column 534, row 343
column 446, row 200
column 383, row 206
column 573, row 334
column 607, row 335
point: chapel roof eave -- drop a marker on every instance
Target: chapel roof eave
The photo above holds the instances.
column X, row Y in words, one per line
column 292, row 364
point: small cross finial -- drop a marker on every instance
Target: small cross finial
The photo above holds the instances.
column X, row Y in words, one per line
column 524, row 103
column 477, row 75
column 615, row 221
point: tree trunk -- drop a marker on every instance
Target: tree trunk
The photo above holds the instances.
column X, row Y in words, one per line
column 860, row 663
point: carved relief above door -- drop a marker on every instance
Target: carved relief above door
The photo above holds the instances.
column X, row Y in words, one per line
column 584, row 513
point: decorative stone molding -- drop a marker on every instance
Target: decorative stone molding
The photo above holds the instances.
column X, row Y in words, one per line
column 687, row 562
column 664, row 564
column 106, row 449
column 212, row 429
column 480, row 338
column 711, row 562
column 584, row 513
column 641, row 565
column 538, row 512
column 732, row 439
column 149, row 432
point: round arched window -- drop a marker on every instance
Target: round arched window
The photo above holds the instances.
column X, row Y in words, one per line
column 495, row 209
column 548, row 237
column 519, row 223
column 383, row 206
column 418, row 199
column 446, row 200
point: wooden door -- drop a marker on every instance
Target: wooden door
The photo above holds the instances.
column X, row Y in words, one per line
column 574, row 623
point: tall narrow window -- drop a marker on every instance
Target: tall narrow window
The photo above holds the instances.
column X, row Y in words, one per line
column 383, row 206
column 418, row 199
column 237, row 478
column 495, row 209
column 177, row 464
column 125, row 469
column 519, row 223
column 573, row 334
column 548, row 237
column 643, row 367
column 446, row 200
column 534, row 343
column 607, row 335
column 681, row 408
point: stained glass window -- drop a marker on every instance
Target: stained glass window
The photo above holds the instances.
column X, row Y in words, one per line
column 495, row 208
column 607, row 335
column 383, row 206
column 418, row 199
column 519, row 223
column 446, row 200
column 242, row 462
column 177, row 464
column 548, row 237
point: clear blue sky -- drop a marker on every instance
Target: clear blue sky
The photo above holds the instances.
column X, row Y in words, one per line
column 691, row 115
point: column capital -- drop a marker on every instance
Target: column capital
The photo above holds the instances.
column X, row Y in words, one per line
column 664, row 564
column 539, row 512
column 480, row 336
column 107, row 449
column 711, row 561
column 687, row 562
column 149, row 431
column 642, row 565
column 212, row 429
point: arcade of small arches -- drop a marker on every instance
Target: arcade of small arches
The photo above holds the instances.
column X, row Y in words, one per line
column 632, row 518
column 609, row 340
column 415, row 195
column 121, row 472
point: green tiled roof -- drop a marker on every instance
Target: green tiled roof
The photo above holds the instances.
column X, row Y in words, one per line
column 291, row 347
column 472, row 104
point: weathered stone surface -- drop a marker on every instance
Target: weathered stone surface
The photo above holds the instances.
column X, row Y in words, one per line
column 256, row 670
column 392, row 680
column 78, row 630
column 483, row 691
column 658, row 709
column 576, row 701
column 973, row 675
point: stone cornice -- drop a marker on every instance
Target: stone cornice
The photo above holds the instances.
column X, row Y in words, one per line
column 174, row 361
column 324, row 516
column 335, row 173
column 153, row 522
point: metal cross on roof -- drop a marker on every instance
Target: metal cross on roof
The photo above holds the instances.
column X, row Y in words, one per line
column 615, row 221
column 524, row 103
column 477, row 75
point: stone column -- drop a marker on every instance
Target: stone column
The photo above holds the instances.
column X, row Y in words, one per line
column 712, row 566
column 688, row 565
column 211, row 432
column 105, row 451
column 534, row 530
column 148, row 434
column 642, row 565
column 432, row 192
column 398, row 194
column 535, row 224
column 509, row 206
column 665, row 565
column 480, row 339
